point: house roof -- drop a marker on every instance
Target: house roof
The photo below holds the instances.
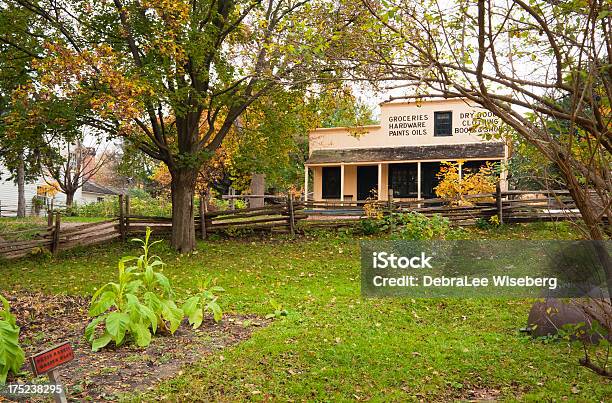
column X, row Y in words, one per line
column 92, row 187
column 409, row 153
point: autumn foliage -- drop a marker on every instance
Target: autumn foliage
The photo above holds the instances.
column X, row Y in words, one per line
column 456, row 187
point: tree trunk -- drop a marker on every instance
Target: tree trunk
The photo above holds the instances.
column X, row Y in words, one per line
column 21, row 202
column 592, row 220
column 183, row 225
column 70, row 198
column 258, row 187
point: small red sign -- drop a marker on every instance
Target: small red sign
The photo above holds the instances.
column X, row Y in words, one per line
column 51, row 358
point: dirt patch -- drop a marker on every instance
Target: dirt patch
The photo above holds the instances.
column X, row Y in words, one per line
column 483, row 395
column 49, row 320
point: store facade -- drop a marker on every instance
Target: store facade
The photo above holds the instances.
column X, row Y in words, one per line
column 401, row 156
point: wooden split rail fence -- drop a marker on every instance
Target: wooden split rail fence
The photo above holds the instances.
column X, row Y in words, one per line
column 284, row 214
column 58, row 236
column 509, row 206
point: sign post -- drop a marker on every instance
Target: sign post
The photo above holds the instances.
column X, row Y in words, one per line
column 47, row 362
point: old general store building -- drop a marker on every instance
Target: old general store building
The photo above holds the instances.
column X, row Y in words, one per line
column 402, row 155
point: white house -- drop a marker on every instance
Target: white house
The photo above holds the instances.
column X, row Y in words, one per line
column 92, row 192
column 36, row 195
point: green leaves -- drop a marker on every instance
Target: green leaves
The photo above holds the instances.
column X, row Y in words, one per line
column 128, row 316
column 11, row 354
column 105, row 301
column 141, row 303
column 206, row 300
column 279, row 312
column 116, row 325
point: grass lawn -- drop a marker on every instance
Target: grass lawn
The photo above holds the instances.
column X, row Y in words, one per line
column 334, row 345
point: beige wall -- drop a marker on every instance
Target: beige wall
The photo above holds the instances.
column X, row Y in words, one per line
column 393, row 130
column 316, row 182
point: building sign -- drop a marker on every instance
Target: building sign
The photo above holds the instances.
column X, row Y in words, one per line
column 408, row 125
column 473, row 122
column 478, row 122
column 51, row 358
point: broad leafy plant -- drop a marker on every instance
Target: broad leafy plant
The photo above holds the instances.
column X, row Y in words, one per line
column 158, row 294
column 205, row 300
column 11, row 354
column 118, row 306
column 137, row 306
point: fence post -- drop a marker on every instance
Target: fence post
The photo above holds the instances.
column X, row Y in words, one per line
column 232, row 193
column 121, row 218
column 202, row 219
column 49, row 218
column 127, row 214
column 291, row 216
column 56, row 234
column 499, row 202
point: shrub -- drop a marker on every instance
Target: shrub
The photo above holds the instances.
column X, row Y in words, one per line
column 416, row 226
column 11, row 354
column 454, row 187
column 484, row 224
column 410, row 226
column 140, row 205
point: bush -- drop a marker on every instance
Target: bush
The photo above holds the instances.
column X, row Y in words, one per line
column 11, row 354
column 484, row 224
column 222, row 205
column 410, row 226
column 416, row 226
column 146, row 206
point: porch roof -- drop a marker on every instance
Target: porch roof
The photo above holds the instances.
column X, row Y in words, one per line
column 483, row 150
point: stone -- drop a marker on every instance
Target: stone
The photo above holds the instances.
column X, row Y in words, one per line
column 547, row 317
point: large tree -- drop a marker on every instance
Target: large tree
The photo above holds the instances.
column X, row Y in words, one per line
column 15, row 71
column 164, row 74
column 543, row 67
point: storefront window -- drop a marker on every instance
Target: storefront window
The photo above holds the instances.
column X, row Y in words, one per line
column 403, row 180
column 331, row 182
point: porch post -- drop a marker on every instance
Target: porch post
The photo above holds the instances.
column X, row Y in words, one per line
column 341, row 182
column 380, row 184
column 460, row 170
column 305, row 182
column 419, row 180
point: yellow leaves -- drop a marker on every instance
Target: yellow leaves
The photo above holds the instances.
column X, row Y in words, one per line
column 48, row 189
column 175, row 16
column 455, row 187
column 118, row 94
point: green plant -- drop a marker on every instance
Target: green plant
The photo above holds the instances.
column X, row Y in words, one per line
column 416, row 226
column 158, row 294
column 11, row 354
column 484, row 224
column 205, row 300
column 119, row 307
column 370, row 226
column 410, row 226
column 279, row 312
